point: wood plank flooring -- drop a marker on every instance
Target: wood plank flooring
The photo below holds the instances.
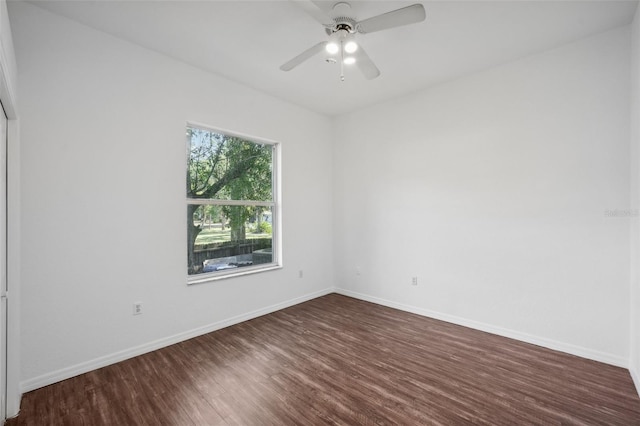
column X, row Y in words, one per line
column 340, row 361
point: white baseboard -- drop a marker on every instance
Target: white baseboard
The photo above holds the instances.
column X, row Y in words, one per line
column 512, row 334
column 636, row 379
column 68, row 372
column 72, row 371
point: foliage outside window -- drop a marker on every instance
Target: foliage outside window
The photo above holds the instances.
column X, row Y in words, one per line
column 231, row 204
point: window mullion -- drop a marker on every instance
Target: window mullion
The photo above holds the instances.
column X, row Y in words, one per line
column 211, row 202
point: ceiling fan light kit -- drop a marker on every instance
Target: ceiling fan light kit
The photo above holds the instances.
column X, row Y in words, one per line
column 342, row 39
column 342, row 46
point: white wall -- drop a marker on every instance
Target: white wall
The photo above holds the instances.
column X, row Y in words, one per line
column 103, row 197
column 634, row 364
column 492, row 190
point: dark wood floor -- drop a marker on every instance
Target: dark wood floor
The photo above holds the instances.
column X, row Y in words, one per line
column 337, row 360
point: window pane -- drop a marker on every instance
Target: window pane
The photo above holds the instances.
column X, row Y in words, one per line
column 226, row 167
column 228, row 237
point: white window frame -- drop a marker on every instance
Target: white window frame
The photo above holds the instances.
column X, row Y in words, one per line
column 275, row 205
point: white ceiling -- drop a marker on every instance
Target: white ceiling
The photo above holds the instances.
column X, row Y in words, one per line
column 247, row 41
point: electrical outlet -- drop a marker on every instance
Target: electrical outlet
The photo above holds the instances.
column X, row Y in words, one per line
column 414, row 280
column 137, row 308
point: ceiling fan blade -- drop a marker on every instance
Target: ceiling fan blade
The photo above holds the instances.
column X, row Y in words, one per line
column 396, row 18
column 310, row 52
column 365, row 64
column 314, row 11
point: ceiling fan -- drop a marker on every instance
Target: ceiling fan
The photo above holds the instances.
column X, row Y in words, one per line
column 341, row 28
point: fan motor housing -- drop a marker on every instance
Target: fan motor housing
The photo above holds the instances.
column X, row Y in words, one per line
column 344, row 23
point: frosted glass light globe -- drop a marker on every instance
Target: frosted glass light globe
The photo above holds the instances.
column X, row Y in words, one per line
column 351, row 46
column 332, row 48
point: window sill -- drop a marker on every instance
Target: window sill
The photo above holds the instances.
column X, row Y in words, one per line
column 216, row 276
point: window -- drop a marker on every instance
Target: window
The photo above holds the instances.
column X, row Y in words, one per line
column 232, row 204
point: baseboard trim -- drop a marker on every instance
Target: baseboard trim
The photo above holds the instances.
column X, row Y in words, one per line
column 636, row 379
column 85, row 367
column 512, row 334
column 72, row 371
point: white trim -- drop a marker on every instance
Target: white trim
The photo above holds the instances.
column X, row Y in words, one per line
column 68, row 372
column 230, row 273
column 276, row 210
column 636, row 379
column 84, row 367
column 239, row 135
column 8, row 69
column 8, row 73
column 14, row 395
column 512, row 334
